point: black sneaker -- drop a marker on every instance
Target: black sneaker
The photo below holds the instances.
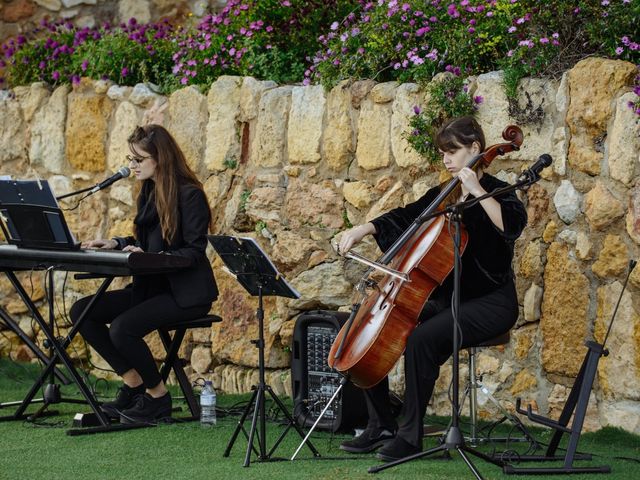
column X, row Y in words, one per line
column 397, row 449
column 125, row 398
column 368, row 440
column 148, row 409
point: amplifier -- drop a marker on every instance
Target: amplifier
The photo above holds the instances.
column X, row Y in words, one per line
column 314, row 383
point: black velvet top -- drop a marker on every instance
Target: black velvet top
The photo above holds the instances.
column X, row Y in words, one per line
column 486, row 262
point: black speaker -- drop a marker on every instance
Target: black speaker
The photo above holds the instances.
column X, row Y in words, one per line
column 314, row 383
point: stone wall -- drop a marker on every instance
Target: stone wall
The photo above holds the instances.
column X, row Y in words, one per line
column 290, row 166
column 21, row 16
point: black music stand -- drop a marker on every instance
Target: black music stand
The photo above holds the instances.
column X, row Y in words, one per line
column 31, row 218
column 246, row 261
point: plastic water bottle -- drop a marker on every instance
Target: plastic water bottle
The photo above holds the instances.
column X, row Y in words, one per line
column 207, row 405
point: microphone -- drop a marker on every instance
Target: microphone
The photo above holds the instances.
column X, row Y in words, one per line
column 533, row 172
column 122, row 173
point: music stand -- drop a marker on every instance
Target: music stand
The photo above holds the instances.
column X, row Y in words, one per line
column 249, row 264
column 31, row 218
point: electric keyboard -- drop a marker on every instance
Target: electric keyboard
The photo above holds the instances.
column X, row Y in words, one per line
column 106, row 262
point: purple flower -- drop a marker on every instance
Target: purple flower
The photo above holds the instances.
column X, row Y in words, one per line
column 478, row 99
column 619, row 50
column 124, row 72
column 84, row 65
column 55, row 75
column 417, row 110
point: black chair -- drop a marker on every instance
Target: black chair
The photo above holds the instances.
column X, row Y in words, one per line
column 173, row 362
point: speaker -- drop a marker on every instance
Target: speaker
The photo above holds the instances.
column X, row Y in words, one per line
column 314, row 383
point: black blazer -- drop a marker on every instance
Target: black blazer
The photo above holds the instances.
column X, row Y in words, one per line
column 194, row 285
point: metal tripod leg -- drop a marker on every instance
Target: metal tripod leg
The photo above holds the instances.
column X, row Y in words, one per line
column 326, row 407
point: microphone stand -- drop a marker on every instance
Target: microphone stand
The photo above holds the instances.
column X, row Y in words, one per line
column 77, row 192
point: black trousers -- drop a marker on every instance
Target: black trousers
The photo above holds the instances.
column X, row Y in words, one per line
column 121, row 344
column 429, row 346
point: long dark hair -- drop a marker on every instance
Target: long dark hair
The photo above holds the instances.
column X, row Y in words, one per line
column 458, row 133
column 171, row 171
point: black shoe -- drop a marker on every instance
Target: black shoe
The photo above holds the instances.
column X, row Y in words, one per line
column 368, row 440
column 125, row 398
column 397, row 449
column 148, row 409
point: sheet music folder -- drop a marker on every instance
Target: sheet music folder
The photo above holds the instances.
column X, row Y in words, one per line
column 31, row 218
column 251, row 266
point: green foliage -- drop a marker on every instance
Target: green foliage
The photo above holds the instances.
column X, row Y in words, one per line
column 260, row 225
column 345, row 219
column 117, row 58
column 448, row 98
column 230, row 163
column 244, row 198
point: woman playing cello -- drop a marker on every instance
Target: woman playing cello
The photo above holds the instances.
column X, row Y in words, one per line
column 488, row 305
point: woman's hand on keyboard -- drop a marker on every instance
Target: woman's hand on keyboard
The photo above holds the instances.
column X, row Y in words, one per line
column 109, row 244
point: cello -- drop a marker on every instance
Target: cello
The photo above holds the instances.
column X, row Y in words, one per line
column 375, row 335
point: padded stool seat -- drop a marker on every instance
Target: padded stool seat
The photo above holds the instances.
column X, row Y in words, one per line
column 195, row 323
column 494, row 342
column 173, row 362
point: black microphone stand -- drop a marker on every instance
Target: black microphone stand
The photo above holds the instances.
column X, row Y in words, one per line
column 454, row 440
column 77, row 192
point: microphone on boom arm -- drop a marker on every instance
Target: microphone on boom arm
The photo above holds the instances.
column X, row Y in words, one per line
column 122, row 173
column 533, row 172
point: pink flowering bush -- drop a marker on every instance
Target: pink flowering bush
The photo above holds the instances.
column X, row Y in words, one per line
column 414, row 39
column 267, row 39
column 58, row 52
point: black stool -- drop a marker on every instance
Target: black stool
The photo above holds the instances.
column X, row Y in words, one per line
column 173, row 362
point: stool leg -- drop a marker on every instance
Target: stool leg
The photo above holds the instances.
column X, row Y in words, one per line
column 473, row 397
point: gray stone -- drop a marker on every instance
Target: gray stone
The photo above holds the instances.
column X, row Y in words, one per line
column 567, row 201
column 271, row 129
column 73, row 3
column 532, row 302
column 223, row 136
column 144, row 95
column 187, row 120
column 31, row 99
column 48, row 132
column 305, row 124
column 407, row 97
column 119, row 93
column 250, row 94
column 322, row 287
column 53, row 5
column 338, row 141
column 124, row 122
column 138, row 9
column 12, row 132
column 624, row 142
column 374, row 151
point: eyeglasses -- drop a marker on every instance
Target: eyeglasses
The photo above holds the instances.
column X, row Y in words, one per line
column 135, row 159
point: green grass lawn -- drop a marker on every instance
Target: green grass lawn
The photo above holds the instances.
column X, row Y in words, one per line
column 187, row 451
